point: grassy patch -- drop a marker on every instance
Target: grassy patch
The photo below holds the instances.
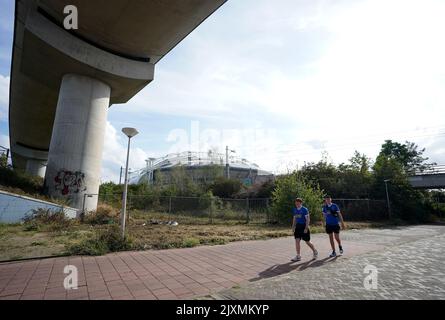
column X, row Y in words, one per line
column 48, row 235
column 103, row 241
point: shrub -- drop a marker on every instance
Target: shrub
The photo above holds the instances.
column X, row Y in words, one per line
column 190, row 242
column 104, row 241
column 46, row 219
column 225, row 188
column 21, row 180
column 104, row 214
column 289, row 187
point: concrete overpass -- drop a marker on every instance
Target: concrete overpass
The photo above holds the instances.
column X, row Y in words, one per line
column 63, row 81
column 432, row 178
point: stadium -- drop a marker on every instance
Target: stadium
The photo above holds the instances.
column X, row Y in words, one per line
column 201, row 167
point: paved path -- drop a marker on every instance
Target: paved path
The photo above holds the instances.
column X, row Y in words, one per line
column 412, row 267
column 206, row 271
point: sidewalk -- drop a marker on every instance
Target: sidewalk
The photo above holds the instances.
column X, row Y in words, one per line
column 409, row 270
column 186, row 273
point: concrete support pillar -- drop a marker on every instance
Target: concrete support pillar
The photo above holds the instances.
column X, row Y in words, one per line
column 36, row 167
column 75, row 153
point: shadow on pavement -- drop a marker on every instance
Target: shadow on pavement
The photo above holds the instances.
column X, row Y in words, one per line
column 280, row 269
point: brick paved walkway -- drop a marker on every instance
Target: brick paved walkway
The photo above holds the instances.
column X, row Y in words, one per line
column 193, row 272
column 411, row 268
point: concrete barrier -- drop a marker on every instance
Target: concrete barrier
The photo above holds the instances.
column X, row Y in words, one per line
column 14, row 207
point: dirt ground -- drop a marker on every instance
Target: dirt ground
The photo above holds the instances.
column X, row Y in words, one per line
column 19, row 241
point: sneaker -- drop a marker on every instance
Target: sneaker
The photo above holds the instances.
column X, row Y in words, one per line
column 297, row 258
column 341, row 250
column 315, row 254
column 333, row 254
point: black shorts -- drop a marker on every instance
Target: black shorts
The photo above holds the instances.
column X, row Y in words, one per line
column 332, row 228
column 299, row 232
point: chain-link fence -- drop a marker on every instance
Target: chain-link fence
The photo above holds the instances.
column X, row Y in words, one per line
column 205, row 207
column 257, row 210
column 363, row 209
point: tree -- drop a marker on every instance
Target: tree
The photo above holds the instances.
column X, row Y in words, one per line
column 360, row 162
column 289, row 187
column 394, row 163
column 225, row 188
column 350, row 180
column 3, row 160
column 407, row 154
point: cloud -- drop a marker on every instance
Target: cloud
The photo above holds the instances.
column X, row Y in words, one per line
column 324, row 76
column 4, row 98
column 115, row 154
column 4, row 141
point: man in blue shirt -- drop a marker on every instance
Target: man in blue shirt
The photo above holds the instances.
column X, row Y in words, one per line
column 300, row 228
column 333, row 218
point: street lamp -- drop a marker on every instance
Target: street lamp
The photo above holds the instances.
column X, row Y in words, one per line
column 227, row 162
column 387, row 197
column 130, row 133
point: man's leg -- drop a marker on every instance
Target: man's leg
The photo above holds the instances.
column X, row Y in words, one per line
column 331, row 239
column 310, row 245
column 297, row 245
column 314, row 251
column 337, row 238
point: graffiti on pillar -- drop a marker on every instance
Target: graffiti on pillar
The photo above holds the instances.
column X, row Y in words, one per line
column 68, row 182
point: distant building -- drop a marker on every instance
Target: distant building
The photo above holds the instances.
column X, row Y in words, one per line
column 201, row 168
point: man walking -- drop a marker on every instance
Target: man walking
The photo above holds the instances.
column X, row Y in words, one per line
column 333, row 217
column 300, row 228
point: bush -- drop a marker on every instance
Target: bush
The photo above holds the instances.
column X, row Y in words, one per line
column 104, row 214
column 46, row 219
column 104, row 241
column 21, row 180
column 225, row 188
column 289, row 187
column 190, row 242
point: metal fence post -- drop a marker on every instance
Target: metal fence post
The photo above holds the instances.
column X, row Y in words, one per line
column 169, row 205
column 369, row 210
column 211, row 209
column 129, row 209
column 247, row 211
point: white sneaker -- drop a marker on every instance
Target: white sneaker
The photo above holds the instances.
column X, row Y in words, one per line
column 333, row 254
column 297, row 258
column 315, row 254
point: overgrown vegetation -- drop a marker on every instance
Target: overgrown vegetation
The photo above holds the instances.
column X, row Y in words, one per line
column 19, row 180
column 104, row 240
column 363, row 178
column 46, row 220
column 288, row 187
column 104, row 214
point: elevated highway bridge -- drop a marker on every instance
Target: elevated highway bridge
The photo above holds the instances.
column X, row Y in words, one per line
column 431, row 178
column 63, row 81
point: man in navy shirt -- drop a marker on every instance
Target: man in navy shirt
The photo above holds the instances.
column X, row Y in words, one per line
column 333, row 217
column 300, row 228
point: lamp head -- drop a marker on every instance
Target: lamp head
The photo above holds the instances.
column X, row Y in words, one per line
column 130, row 132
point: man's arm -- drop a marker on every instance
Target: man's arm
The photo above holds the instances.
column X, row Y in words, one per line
column 323, row 214
column 293, row 224
column 308, row 221
column 343, row 226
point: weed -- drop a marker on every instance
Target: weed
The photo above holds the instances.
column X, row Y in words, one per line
column 104, row 214
column 104, row 241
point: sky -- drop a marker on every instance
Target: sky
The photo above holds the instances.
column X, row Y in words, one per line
column 284, row 82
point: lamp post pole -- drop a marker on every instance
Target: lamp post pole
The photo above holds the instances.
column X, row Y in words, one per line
column 387, row 198
column 129, row 132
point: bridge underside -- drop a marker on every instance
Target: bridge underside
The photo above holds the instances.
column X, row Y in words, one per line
column 108, row 59
column 429, row 181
